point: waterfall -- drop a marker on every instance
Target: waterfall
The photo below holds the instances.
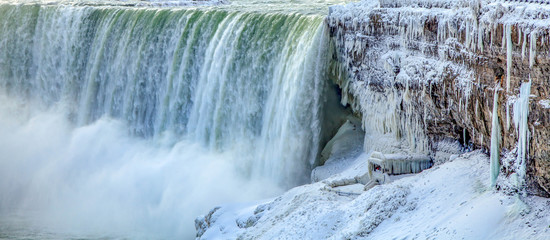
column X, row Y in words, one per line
column 164, row 111
column 221, row 78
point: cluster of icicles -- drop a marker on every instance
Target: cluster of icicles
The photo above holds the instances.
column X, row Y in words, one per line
column 453, row 27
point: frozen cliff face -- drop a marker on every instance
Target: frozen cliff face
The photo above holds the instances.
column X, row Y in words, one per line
column 419, row 71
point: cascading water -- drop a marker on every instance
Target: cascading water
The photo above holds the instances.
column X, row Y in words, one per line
column 124, row 118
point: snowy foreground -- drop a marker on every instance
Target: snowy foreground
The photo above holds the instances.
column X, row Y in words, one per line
column 452, row 200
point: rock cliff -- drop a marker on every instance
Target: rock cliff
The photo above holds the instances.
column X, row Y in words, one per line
column 422, row 71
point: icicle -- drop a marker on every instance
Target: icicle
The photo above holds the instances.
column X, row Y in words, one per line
column 503, row 37
column 464, row 136
column 495, row 141
column 441, row 31
column 493, row 32
column 532, row 48
column 521, row 113
column 481, row 138
column 519, row 35
column 468, row 37
column 507, row 115
column 475, row 109
column 523, row 46
column 508, row 55
column 480, row 33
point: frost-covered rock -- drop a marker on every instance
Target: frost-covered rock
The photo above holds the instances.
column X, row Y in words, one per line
column 202, row 223
column 418, row 72
column 396, row 164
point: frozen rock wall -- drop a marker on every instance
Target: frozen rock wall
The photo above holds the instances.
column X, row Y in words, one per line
column 421, row 71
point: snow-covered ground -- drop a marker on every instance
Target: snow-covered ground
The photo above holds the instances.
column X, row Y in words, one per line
column 452, row 200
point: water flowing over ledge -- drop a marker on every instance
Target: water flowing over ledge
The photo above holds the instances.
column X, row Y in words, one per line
column 224, row 79
column 228, row 98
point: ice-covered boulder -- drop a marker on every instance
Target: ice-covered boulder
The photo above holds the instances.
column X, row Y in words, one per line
column 395, row 164
column 203, row 222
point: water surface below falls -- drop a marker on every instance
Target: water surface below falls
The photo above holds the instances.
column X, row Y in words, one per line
column 127, row 122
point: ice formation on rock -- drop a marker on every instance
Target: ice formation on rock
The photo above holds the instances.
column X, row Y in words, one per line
column 523, row 46
column 521, row 113
column 532, row 49
column 395, row 164
column 509, row 48
column 466, row 38
column 495, row 141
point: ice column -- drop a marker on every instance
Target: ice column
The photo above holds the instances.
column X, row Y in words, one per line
column 532, row 48
column 523, row 45
column 508, row 33
column 521, row 112
column 495, row 141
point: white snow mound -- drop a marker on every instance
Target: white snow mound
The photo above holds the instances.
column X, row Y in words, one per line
column 450, row 201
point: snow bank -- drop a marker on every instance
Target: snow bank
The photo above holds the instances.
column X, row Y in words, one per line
column 450, row 201
column 309, row 212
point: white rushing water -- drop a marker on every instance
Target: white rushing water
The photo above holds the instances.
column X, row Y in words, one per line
column 118, row 120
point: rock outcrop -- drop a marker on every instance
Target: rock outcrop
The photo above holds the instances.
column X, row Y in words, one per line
column 420, row 73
